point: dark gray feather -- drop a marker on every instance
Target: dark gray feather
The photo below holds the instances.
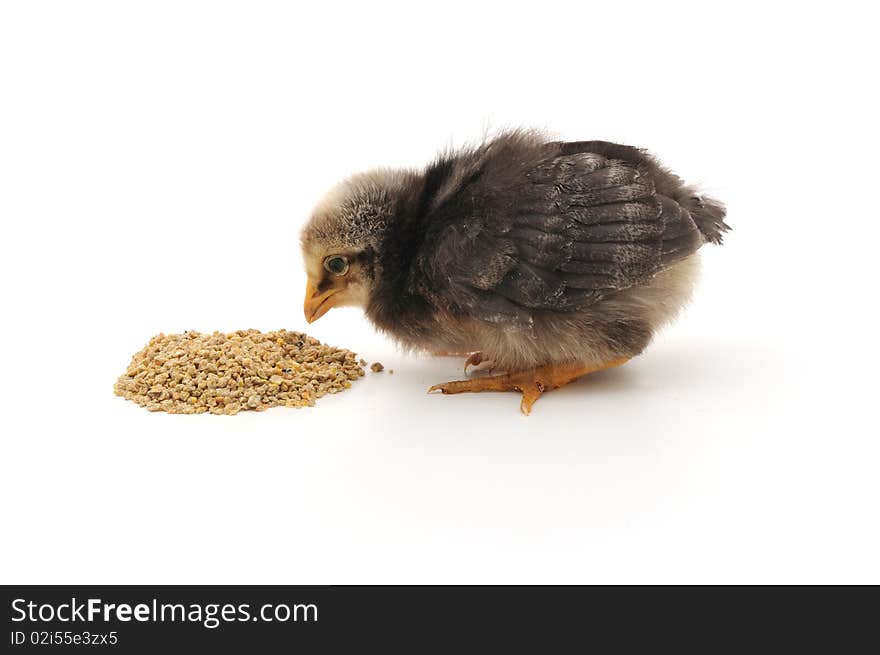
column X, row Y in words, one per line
column 555, row 227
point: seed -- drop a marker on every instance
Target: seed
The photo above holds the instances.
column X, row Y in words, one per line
column 194, row 373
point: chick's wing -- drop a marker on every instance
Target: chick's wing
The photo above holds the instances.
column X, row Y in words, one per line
column 567, row 232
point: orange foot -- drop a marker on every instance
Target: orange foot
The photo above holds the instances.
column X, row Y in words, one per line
column 531, row 383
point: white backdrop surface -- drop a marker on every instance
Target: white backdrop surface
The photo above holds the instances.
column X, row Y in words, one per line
column 157, row 161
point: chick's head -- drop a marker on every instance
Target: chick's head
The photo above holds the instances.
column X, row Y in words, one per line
column 342, row 240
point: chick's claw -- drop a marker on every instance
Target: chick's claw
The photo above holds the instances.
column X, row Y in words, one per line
column 475, row 359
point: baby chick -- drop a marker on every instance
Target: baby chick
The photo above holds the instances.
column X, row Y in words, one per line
column 549, row 259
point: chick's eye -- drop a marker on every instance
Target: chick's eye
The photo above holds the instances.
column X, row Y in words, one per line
column 336, row 265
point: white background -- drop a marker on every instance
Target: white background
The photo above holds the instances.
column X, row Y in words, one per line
column 158, row 159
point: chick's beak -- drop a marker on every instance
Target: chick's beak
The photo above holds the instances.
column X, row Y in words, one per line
column 317, row 302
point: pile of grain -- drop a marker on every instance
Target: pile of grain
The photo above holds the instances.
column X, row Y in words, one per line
column 193, row 373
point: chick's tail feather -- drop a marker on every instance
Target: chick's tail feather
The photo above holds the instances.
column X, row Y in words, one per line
column 709, row 215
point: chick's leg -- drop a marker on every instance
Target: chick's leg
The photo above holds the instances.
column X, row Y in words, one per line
column 531, row 383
